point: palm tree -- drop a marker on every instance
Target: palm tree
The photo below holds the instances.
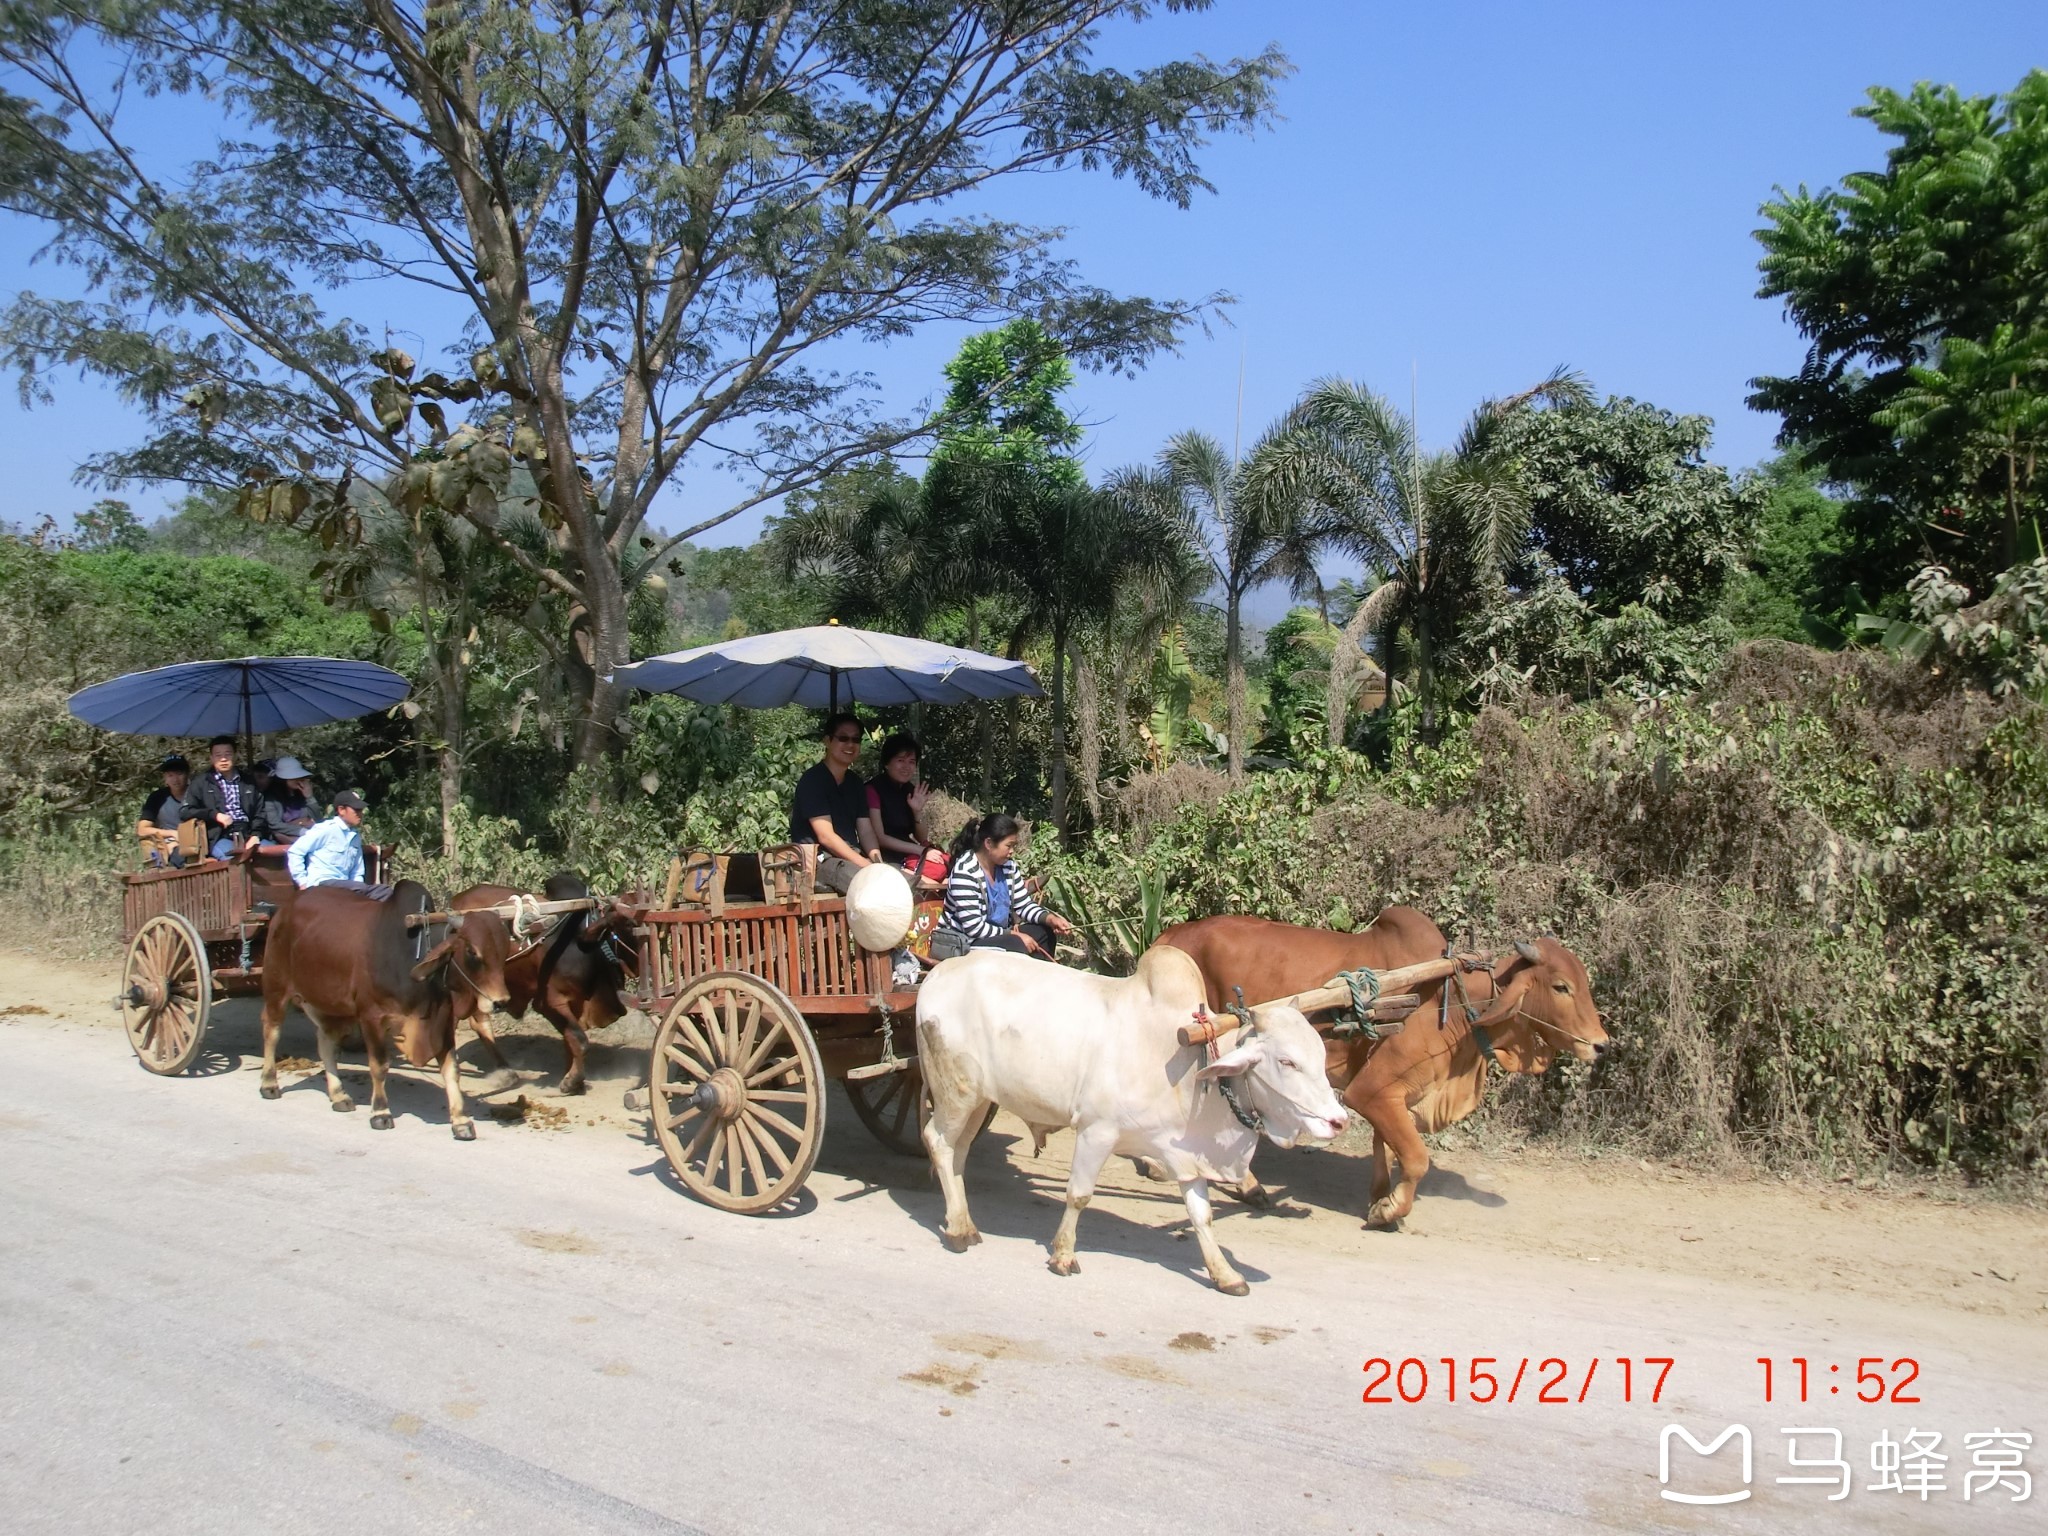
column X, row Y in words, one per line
column 1438, row 528
column 1245, row 517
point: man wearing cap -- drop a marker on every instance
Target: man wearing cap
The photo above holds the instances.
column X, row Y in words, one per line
column 331, row 852
column 285, row 812
column 161, row 813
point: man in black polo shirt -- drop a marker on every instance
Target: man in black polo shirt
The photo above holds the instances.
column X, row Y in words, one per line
column 161, row 813
column 830, row 808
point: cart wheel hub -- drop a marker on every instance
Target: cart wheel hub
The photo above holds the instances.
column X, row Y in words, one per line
column 724, row 1093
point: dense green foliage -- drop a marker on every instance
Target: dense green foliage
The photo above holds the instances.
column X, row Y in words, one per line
column 70, row 618
column 1922, row 290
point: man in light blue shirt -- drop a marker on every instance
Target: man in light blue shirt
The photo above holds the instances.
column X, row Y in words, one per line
column 331, row 852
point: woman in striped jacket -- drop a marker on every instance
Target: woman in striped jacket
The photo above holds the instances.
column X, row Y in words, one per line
column 986, row 899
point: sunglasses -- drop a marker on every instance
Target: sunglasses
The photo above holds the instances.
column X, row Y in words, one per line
column 847, row 740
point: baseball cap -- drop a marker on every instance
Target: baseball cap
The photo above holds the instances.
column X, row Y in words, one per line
column 289, row 768
column 348, row 799
column 266, row 765
column 175, row 763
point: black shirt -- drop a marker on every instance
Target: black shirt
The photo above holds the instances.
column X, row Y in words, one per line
column 163, row 809
column 845, row 801
column 893, row 797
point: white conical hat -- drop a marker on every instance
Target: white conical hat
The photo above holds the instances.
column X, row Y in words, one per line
column 879, row 907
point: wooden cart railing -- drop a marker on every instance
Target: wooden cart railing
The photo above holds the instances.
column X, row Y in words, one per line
column 807, row 954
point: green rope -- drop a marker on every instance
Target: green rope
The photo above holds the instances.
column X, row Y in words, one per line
column 1365, row 991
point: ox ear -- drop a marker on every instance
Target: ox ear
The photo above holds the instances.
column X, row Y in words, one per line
column 434, row 959
column 1239, row 1060
column 1527, row 949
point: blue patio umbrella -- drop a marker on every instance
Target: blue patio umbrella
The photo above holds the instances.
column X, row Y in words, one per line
column 254, row 695
column 828, row 665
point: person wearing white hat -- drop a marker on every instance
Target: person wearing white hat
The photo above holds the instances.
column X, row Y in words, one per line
column 285, row 812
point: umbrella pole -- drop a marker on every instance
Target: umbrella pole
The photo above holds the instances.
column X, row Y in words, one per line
column 834, row 675
column 248, row 735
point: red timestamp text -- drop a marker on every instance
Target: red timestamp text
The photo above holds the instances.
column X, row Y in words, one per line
column 1487, row 1379
column 1876, row 1379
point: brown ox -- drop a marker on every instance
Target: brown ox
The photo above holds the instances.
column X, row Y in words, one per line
column 351, row 962
column 1532, row 1004
column 571, row 971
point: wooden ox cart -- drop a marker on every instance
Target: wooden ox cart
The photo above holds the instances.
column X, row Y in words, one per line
column 762, row 995
column 196, row 933
column 192, row 934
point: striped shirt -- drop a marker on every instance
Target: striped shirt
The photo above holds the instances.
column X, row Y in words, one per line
column 967, row 899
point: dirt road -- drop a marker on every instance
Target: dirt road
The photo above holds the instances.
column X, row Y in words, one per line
column 220, row 1314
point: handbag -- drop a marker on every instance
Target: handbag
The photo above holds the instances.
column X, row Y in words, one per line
column 948, row 944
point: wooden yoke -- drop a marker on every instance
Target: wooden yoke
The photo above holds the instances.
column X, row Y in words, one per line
column 1394, row 1002
column 509, row 911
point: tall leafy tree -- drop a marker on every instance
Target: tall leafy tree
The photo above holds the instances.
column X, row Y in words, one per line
column 1922, row 292
column 1247, row 518
column 1082, row 549
column 638, row 232
column 1440, row 529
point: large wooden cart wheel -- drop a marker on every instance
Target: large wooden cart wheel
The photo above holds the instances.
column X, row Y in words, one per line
column 737, row 1093
column 895, row 1107
column 166, row 993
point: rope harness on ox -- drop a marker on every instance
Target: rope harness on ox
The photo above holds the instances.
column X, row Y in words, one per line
column 1365, row 991
column 1481, row 1035
column 1247, row 1029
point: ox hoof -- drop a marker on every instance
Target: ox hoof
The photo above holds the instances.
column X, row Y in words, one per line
column 1236, row 1287
column 571, row 1090
column 1255, row 1196
column 342, row 1106
column 271, row 1091
column 381, row 1121
column 465, row 1130
column 960, row 1242
column 1064, row 1267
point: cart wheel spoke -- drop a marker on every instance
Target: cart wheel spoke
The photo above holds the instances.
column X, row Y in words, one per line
column 701, row 1137
column 743, row 1050
column 750, row 1149
column 713, row 1036
column 771, row 1119
column 688, row 1059
column 752, row 1071
column 770, row 1149
column 905, row 1102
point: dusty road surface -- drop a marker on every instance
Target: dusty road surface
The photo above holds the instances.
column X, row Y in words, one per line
column 219, row 1315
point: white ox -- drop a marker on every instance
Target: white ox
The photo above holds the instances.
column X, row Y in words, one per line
column 1058, row 1047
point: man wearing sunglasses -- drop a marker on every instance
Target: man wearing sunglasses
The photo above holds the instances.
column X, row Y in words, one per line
column 830, row 808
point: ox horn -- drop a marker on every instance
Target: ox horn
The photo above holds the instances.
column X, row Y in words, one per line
column 1527, row 949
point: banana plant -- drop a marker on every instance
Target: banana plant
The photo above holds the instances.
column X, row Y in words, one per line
column 1117, row 932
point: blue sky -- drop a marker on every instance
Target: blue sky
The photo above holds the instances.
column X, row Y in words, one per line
column 1479, row 192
